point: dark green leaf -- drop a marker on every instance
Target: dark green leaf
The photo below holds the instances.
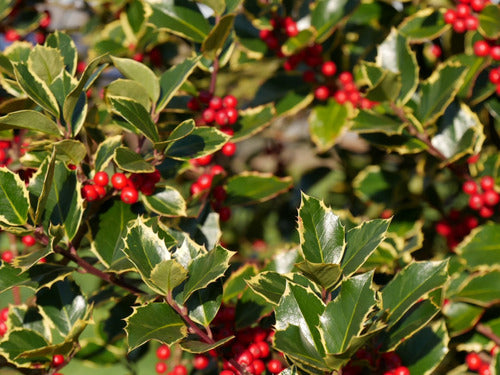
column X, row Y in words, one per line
column 70, row 151
column 269, row 285
column 36, row 277
column 387, row 88
column 63, row 304
column 426, row 24
column 324, row 274
column 367, row 121
column 28, row 260
column 202, row 141
column 166, row 202
column 362, row 241
column 14, row 198
column 205, row 269
column 481, row 249
column 253, row 187
column 140, row 73
column 326, row 15
column 204, row 304
column 237, row 282
column 461, row 317
column 212, row 45
column 300, row 41
column 66, row 47
column 46, row 63
column 156, row 321
column 30, row 120
column 326, row 123
column 321, row 232
column 18, row 341
column 252, row 121
column 374, row 184
column 136, row 115
column 488, row 21
column 106, row 151
column 29, row 317
column 480, row 289
column 410, row 284
column 343, row 318
column 131, row 161
column 135, row 18
column 167, row 275
column 42, row 179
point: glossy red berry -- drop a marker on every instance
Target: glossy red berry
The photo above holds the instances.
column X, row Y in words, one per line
column 129, row 195
column 329, row 68
column 401, row 370
column 160, row 367
column 459, row 25
column 163, row 352
column 292, row 30
column 487, row 183
column 264, row 348
column 204, row 181
column 180, row 370
column 345, row 77
column 471, row 22
column 208, row 115
column 229, row 149
column 193, row 104
column 450, row 16
column 469, row 187
column 481, row 48
column 232, row 115
column 491, row 197
column 274, row 366
column 229, row 101
column 203, row 160
column 3, row 328
column 476, row 201
column 100, row 190
column 101, row 178
column 7, row 256
column 463, row 10
column 226, row 372
column 486, row 212
column 494, row 76
column 495, row 53
column 217, row 169
column 436, row 51
column 321, row 93
column 221, row 117
column 11, row 35
column 119, row 181
column 45, row 21
column 485, row 369
column 195, row 188
column 4, row 314
column 340, row 96
column 245, row 358
column 478, row 5
column 28, row 240
column 57, row 360
column 215, row 103
column 473, row 361
column 200, row 362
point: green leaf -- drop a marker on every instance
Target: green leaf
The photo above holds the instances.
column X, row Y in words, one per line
column 253, row 187
column 108, row 229
column 66, row 47
column 413, row 321
column 126, row 88
column 168, row 274
column 29, row 317
column 14, row 198
column 480, row 289
column 324, row 274
column 218, row 6
column 172, row 80
column 194, row 346
column 461, row 317
column 36, row 277
column 202, row 141
column 374, row 184
column 46, row 63
column 63, row 304
column 269, row 285
column 300, row 41
column 42, row 179
column 387, row 88
column 237, row 282
column 326, row 123
column 145, row 249
column 166, row 202
column 134, row 19
column 424, row 351
column 140, row 73
column 481, row 249
column 156, row 321
column 212, row 45
column 26, row 261
column 438, row 91
column 18, row 341
column 326, row 15
column 410, row 284
column 36, row 89
column 106, row 151
column 368, row 121
column 395, row 55
column 424, row 25
column 136, row 115
column 70, row 151
column 460, row 132
column 362, row 241
column 252, row 120
column 343, row 318
column 30, row 120
column 131, row 161
column 488, row 22
column 204, row 304
column 181, row 18
column 205, row 269
column 321, row 232
column 302, row 308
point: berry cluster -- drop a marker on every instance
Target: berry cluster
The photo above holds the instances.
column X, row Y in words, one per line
column 455, row 227
column 482, row 198
column 475, row 363
column 163, row 354
column 482, row 49
column 495, row 78
column 11, row 35
column 282, row 29
column 388, row 362
column 4, row 314
column 4, row 153
column 129, row 187
column 462, row 17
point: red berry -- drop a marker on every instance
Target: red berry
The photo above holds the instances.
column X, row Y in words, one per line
column 220, row 194
column 328, row 68
column 463, row 10
column 232, row 115
column 28, row 240
column 487, row 183
column 486, row 212
column 473, row 361
column 258, row 367
column 221, row 117
column 401, row 370
column 495, row 76
column 100, row 190
column 345, row 77
column 57, row 360
column 436, row 51
column 163, row 352
column 193, row 104
column 217, row 169
column 160, row 367
column 481, row 48
column 208, row 115
column 89, row 193
column 391, row 360
column 129, row 195
column 204, row 181
column 495, row 53
column 215, row 103
column 485, row 369
column 476, row 201
column 224, row 213
column 80, row 67
column 272, row 42
column 274, row 366
column 473, row 159
column 245, row 358
column 195, row 188
column 101, row 178
column 4, row 314
column 471, row 222
column 226, row 372
column 491, row 197
column 291, row 30
column 469, row 187
column 309, row 76
column 450, row 16
column 139, row 56
column 322, row 93
column 200, row 362
column 119, row 181
column 354, row 97
column 443, row 228
column 478, row 5
column 471, row 22
column 264, row 34
column 179, row 370
column 45, row 21
column 229, row 101
column 264, row 348
column 203, row 160
column 340, row 96
column 3, row 328
column 229, row 149
column 148, row 188
column 459, row 25
column 11, row 35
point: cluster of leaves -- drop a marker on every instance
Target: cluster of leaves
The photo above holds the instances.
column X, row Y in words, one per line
column 115, row 276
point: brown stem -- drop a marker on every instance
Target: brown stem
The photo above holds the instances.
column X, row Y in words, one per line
column 488, row 332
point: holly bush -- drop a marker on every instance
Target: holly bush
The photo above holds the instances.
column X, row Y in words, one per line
column 250, row 187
